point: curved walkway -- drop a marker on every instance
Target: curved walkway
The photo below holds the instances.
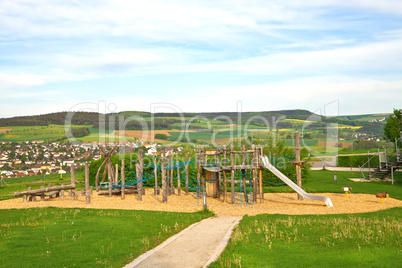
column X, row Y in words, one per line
column 196, row 246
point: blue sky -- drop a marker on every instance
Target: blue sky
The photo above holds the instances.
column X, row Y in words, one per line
column 200, row 56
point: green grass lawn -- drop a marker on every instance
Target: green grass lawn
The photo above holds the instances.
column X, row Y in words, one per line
column 22, row 183
column 323, row 181
column 346, row 240
column 61, row 237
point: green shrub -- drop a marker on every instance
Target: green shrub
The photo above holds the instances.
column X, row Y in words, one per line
column 356, row 161
column 161, row 136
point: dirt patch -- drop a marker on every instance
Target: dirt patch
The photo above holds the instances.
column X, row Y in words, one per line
column 4, row 130
column 340, row 144
column 147, row 135
column 281, row 203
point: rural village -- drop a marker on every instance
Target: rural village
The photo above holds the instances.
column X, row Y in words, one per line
column 40, row 158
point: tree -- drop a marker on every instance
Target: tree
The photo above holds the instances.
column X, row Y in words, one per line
column 393, row 126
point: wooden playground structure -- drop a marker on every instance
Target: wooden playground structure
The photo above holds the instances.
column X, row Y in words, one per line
column 222, row 173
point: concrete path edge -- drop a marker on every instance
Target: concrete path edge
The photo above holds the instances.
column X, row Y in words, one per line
column 222, row 245
column 147, row 254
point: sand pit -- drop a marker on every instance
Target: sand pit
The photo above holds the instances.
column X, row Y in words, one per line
column 274, row 203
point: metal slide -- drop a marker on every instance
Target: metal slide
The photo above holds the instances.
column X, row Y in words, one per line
column 293, row 185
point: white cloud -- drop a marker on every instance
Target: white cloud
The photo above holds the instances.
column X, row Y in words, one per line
column 7, row 80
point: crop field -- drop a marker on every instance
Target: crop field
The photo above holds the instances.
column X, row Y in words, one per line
column 4, row 130
column 32, row 133
column 364, row 117
column 150, row 135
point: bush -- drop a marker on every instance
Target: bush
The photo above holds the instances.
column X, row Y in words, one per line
column 356, row 160
column 161, row 136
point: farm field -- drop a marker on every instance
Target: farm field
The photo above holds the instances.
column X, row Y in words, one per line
column 34, row 133
column 147, row 135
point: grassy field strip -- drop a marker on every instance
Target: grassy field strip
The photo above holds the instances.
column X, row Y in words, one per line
column 346, row 240
column 323, row 181
column 55, row 237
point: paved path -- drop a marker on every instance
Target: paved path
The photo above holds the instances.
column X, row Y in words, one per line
column 196, row 246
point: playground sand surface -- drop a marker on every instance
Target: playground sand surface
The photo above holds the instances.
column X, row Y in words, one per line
column 274, row 203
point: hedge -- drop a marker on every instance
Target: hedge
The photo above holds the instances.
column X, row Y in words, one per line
column 357, row 160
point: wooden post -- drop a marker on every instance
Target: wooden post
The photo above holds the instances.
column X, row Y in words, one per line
column 163, row 171
column 62, row 192
column 187, row 160
column 205, row 161
column 171, row 174
column 116, row 177
column 232, row 171
column 109, row 176
column 141, row 162
column 72, row 196
column 218, row 166
column 178, row 179
column 259, row 154
column 298, row 164
column 243, row 173
column 24, row 198
column 87, row 193
column 139, row 182
column 156, row 192
column 224, row 175
column 123, row 179
column 29, row 197
column 42, row 196
column 254, row 163
column 198, row 172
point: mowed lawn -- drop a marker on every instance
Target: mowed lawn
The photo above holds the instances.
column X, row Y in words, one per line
column 57, row 237
column 346, row 240
column 321, row 181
